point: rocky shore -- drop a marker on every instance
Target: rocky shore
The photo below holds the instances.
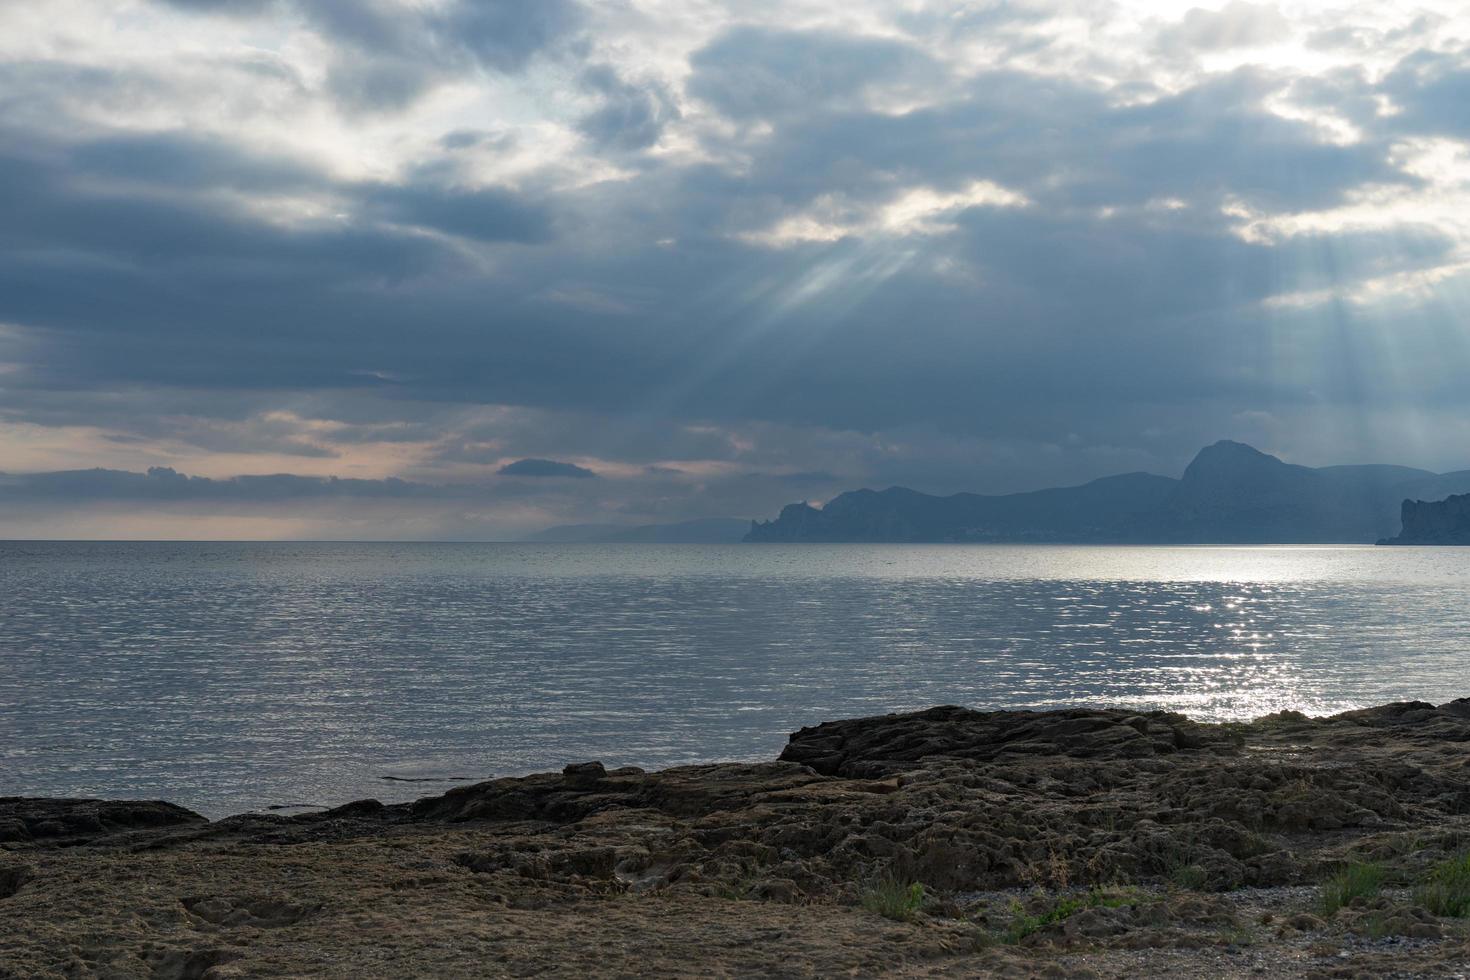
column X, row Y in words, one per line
column 948, row 842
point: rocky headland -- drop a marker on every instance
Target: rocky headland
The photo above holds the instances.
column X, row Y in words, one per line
column 947, row 842
column 1439, row 522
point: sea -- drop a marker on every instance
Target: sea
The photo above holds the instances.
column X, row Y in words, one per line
column 230, row 677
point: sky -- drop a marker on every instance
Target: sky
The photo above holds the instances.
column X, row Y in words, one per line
column 438, row 269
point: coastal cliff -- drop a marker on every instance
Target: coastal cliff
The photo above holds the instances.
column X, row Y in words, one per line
column 1435, row 522
column 1081, row 843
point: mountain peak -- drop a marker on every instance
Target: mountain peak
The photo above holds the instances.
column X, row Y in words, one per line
column 1230, row 448
column 1232, row 460
column 1231, row 493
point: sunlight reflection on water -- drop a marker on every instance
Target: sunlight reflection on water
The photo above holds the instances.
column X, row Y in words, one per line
column 226, row 676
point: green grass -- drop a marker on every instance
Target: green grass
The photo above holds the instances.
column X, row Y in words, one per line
column 1241, row 935
column 894, row 899
column 1063, row 907
column 734, row 891
column 1447, row 890
column 1189, row 877
column 1375, row 926
column 1358, row 880
column 1406, row 843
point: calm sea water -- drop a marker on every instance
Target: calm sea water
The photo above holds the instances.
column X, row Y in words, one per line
column 233, row 676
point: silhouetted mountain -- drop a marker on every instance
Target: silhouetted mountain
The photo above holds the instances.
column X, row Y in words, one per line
column 709, row 530
column 1437, row 487
column 1440, row 522
column 1102, row 510
column 1230, row 493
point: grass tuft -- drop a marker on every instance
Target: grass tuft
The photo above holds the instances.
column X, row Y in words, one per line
column 1358, row 880
column 894, row 899
column 1241, row 935
column 1060, row 909
column 1447, row 890
column 1189, row 877
column 733, row 891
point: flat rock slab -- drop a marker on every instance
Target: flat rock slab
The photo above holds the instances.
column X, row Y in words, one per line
column 872, row 747
column 34, row 819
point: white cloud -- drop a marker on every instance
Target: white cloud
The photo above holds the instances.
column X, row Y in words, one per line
column 916, row 211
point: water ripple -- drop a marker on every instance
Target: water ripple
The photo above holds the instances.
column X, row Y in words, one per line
column 232, row 676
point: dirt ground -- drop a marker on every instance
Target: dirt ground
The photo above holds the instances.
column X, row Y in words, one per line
column 944, row 843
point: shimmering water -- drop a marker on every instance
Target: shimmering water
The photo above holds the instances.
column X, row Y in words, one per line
column 232, row 676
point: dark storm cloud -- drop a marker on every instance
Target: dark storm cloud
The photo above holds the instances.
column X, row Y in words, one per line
column 1067, row 145
column 390, row 54
column 383, row 83
column 484, row 215
column 181, row 160
column 1432, row 91
column 464, row 139
column 1133, row 274
column 1124, row 289
column 113, row 266
column 631, row 116
column 79, row 238
column 753, row 72
column 504, row 34
column 162, row 484
column 547, row 468
column 499, row 34
column 1050, row 276
column 184, row 161
column 1050, row 270
column 1425, row 94
column 39, row 97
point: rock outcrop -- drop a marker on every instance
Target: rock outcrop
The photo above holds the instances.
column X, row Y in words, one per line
column 1076, row 843
column 877, row 747
column 31, row 819
column 1445, row 522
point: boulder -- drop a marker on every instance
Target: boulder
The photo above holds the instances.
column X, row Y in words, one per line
column 584, row 774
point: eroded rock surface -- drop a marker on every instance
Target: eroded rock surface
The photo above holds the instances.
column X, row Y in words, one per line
column 1079, row 843
column 30, row 818
column 878, row 746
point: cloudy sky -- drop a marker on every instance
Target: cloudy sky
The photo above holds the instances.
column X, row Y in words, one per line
column 464, row 268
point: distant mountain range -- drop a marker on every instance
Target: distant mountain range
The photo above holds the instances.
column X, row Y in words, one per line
column 1230, row 494
column 710, row 530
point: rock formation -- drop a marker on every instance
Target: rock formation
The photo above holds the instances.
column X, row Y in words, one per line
column 1439, row 522
column 1082, row 843
column 31, row 819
